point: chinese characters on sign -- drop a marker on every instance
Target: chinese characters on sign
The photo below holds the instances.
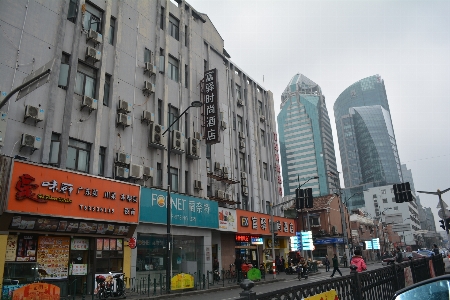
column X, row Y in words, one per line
column 210, row 101
column 277, row 164
column 263, row 224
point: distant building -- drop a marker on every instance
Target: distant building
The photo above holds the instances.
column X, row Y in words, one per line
column 306, row 141
column 366, row 138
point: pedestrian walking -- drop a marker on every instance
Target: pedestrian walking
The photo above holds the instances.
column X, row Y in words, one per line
column 344, row 258
column 335, row 266
column 327, row 263
column 282, row 263
column 435, row 249
column 358, row 261
column 399, row 256
column 238, row 266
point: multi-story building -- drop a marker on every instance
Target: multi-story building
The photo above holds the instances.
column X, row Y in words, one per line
column 306, row 141
column 122, row 73
column 366, row 138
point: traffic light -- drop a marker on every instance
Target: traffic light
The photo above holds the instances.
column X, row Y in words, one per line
column 402, row 192
column 299, row 199
column 309, row 203
column 407, row 192
column 447, row 224
column 442, row 224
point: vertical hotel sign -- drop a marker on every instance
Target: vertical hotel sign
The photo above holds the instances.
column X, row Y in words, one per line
column 211, row 104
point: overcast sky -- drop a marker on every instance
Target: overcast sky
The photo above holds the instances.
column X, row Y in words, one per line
column 336, row 43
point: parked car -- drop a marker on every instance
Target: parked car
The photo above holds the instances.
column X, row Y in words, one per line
column 428, row 253
column 406, row 256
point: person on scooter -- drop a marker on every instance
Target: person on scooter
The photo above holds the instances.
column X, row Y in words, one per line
column 304, row 266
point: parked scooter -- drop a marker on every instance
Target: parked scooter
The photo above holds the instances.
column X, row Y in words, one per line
column 216, row 275
column 302, row 272
column 292, row 269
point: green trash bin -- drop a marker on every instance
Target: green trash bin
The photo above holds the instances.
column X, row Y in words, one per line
column 254, row 274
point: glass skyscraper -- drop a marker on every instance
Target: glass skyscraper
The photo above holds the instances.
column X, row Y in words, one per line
column 366, row 138
column 306, row 141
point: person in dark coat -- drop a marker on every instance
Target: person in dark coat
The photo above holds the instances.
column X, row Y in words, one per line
column 335, row 266
column 327, row 263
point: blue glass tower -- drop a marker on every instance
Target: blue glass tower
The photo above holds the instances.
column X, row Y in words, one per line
column 306, row 141
column 366, row 138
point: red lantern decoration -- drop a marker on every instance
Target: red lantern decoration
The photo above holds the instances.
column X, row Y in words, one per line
column 132, row 243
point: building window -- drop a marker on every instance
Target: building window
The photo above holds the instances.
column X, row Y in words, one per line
column 265, row 171
column 159, row 175
column 64, row 71
column 112, row 30
column 186, row 182
column 173, row 68
column 234, row 121
column 205, row 65
column 186, row 125
column 159, row 112
column 249, row 165
column 147, row 55
column 268, row 207
column 172, row 115
column 242, row 162
column 385, row 201
column 186, row 76
column 383, row 191
column 101, row 161
column 260, row 108
column 174, row 26
column 238, row 92
column 161, row 61
column 78, row 156
column 208, row 150
column 263, row 138
column 239, row 124
column 393, row 199
column 374, row 196
column 85, row 81
column 161, row 23
column 54, row 149
column 392, row 190
column 174, row 179
column 106, row 89
column 235, row 159
column 314, row 221
column 208, row 191
column 92, row 18
column 73, row 11
column 244, row 203
column 186, row 35
column 395, row 207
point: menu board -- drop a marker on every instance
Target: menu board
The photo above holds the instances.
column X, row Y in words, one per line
column 79, row 244
column 109, row 244
column 26, row 248
column 78, row 269
column 67, row 225
column 11, row 248
column 53, row 257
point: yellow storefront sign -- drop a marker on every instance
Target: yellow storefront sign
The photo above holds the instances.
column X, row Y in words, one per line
column 182, row 281
column 330, row 295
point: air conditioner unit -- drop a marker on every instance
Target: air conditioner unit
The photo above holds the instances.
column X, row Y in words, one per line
column 150, row 69
column 241, row 135
column 35, row 113
column 177, row 142
column 197, row 135
column 241, row 144
column 243, row 175
column 240, row 102
column 193, row 148
column 198, row 185
column 89, row 102
column 155, row 138
column 147, row 117
column 244, row 182
column 223, row 125
column 220, row 194
column 148, row 172
column 245, row 191
column 124, row 120
column 225, row 171
column 149, row 87
column 94, row 36
column 123, row 158
column 217, row 166
column 262, row 118
column 122, row 172
column 124, row 107
column 93, row 53
column 31, row 141
column 136, row 171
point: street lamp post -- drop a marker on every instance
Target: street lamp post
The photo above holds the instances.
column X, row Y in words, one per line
column 272, row 225
column 344, row 222
column 307, row 212
column 168, row 204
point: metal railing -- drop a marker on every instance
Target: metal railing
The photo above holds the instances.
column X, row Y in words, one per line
column 376, row 284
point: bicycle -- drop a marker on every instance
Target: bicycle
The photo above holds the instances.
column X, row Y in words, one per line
column 231, row 274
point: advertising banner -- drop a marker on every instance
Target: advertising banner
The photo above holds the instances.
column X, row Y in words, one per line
column 45, row 190
column 227, row 219
column 186, row 210
column 26, row 248
column 257, row 223
column 53, row 257
column 39, row 290
column 211, row 107
column 11, row 248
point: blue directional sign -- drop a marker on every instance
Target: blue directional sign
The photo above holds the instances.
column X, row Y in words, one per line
column 307, row 241
column 368, row 245
column 376, row 244
column 296, row 243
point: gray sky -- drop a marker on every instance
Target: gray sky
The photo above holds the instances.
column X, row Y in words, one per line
column 336, row 43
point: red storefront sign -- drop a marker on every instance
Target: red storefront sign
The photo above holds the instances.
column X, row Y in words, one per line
column 252, row 223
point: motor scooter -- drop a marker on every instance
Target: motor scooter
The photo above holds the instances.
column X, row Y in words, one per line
column 216, row 275
column 292, row 269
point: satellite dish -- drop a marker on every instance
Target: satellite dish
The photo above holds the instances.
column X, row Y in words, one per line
column 441, row 213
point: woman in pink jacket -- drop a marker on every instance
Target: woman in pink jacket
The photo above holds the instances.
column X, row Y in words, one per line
column 358, row 261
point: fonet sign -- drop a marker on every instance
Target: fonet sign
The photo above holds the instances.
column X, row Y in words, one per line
column 256, row 223
column 49, row 191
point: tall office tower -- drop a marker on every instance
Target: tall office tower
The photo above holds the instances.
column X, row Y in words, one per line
column 366, row 137
column 306, row 141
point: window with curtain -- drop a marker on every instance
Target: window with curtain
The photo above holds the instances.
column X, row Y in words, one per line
column 112, row 30
column 73, row 11
column 173, row 68
column 238, row 92
column 174, row 27
column 54, row 149
column 64, row 71
column 172, row 115
column 78, row 156
column 92, row 18
column 242, row 162
column 239, row 124
column 161, row 61
column 265, row 171
column 85, row 82
column 147, row 55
